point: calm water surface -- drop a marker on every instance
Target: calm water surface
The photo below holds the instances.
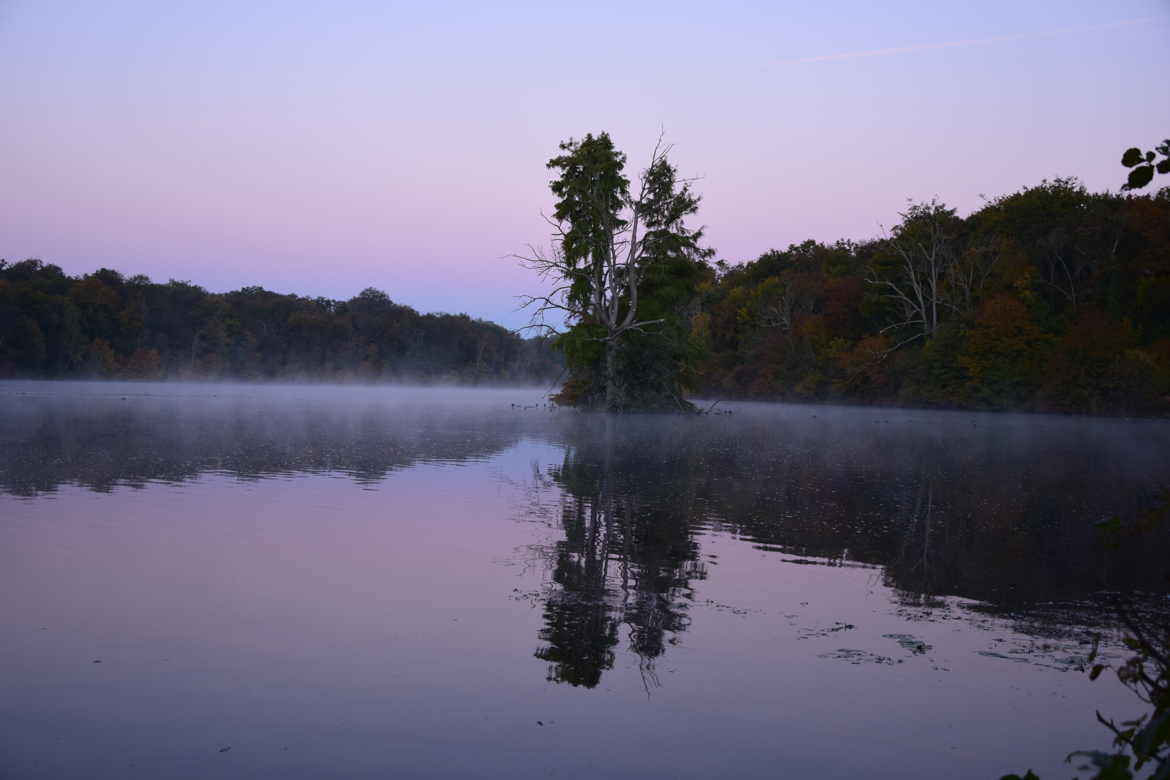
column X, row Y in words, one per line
column 283, row 582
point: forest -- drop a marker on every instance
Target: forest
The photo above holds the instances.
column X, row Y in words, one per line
column 1052, row 298
column 106, row 325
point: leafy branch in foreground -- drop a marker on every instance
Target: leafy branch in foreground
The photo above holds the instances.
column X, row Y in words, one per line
column 1142, row 165
column 1145, row 740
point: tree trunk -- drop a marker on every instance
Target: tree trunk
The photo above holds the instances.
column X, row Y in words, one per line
column 614, row 401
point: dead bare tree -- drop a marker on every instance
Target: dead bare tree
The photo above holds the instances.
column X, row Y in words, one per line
column 924, row 252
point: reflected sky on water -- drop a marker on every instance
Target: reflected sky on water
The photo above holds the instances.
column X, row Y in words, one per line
column 371, row 582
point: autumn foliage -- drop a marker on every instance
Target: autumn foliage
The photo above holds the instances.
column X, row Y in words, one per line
column 1052, row 298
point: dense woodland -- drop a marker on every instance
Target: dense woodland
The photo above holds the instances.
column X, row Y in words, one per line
column 1052, row 298
column 105, row 325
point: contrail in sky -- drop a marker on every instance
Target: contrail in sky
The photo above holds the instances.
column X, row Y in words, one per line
column 854, row 55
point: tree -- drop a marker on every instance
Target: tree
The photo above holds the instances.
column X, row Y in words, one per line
column 617, row 260
column 923, row 255
column 105, row 324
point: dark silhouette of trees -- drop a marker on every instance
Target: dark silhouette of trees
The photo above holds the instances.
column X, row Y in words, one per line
column 624, row 267
column 104, row 325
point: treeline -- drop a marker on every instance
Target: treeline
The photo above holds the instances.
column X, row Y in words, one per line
column 106, row 325
column 1052, row 298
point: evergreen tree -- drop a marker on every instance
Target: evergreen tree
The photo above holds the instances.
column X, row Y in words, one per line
column 625, row 271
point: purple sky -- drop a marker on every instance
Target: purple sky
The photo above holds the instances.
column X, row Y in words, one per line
column 320, row 148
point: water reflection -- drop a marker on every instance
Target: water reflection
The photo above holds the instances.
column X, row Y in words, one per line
column 999, row 509
column 1004, row 511
column 102, row 437
column 784, row 553
column 628, row 558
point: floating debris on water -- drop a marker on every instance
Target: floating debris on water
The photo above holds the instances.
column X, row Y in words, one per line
column 727, row 607
column 1063, row 656
column 858, row 657
column 991, row 654
column 810, row 633
column 908, row 642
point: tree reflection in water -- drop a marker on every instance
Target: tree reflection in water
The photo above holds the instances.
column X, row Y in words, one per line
column 1004, row 510
column 1006, row 515
column 628, row 557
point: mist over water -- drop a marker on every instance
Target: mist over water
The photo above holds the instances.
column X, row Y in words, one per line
column 362, row 581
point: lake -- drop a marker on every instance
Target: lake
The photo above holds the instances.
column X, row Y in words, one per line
column 302, row 581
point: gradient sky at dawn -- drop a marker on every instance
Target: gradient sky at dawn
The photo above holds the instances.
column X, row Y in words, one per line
column 320, row 148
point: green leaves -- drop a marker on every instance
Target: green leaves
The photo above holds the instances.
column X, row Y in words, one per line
column 628, row 269
column 591, row 191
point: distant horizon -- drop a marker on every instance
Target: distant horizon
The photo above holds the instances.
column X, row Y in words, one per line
column 307, row 296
